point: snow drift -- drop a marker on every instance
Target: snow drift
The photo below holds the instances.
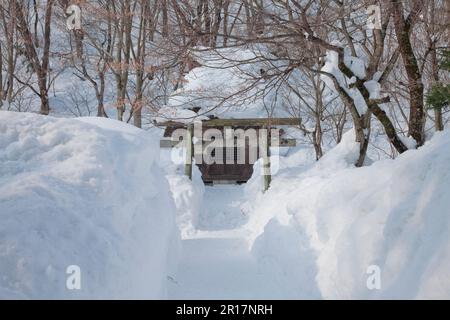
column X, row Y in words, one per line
column 321, row 228
column 89, row 193
column 188, row 197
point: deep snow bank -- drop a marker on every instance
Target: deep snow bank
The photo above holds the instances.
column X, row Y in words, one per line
column 188, row 197
column 321, row 228
column 187, row 194
column 86, row 192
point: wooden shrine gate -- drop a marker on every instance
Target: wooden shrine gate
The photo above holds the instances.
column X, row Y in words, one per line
column 232, row 168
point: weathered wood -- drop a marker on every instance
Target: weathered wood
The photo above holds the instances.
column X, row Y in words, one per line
column 265, row 140
column 252, row 122
column 189, row 152
column 285, row 142
column 239, row 122
column 168, row 144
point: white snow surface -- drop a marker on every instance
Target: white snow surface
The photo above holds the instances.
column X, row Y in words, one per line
column 227, row 84
column 358, row 66
column 188, row 196
column 86, row 192
column 320, row 228
column 78, row 192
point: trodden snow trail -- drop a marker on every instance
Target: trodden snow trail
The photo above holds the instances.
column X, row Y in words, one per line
column 216, row 262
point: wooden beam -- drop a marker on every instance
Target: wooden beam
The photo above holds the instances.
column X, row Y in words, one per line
column 252, row 122
column 168, row 144
column 238, row 122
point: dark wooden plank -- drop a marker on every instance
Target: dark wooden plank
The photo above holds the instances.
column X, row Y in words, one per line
column 252, row 122
column 189, row 152
column 167, row 144
column 239, row 122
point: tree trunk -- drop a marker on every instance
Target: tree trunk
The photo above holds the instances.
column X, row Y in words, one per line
column 438, row 122
column 389, row 128
column 1, row 76
column 40, row 68
column 365, row 137
column 317, row 134
column 10, row 40
column 123, row 57
column 415, row 84
column 358, row 122
column 10, row 83
column 317, row 141
column 45, row 108
column 225, row 22
column 101, row 96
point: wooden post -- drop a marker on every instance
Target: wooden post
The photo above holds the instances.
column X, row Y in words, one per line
column 266, row 160
column 189, row 148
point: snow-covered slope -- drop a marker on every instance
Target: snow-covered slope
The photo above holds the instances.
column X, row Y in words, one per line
column 86, row 192
column 322, row 229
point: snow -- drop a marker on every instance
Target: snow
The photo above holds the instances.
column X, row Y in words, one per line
column 87, row 192
column 227, row 84
column 96, row 193
column 331, row 66
column 216, row 262
column 409, row 142
column 219, row 268
column 222, row 258
column 358, row 66
column 320, row 228
column 188, row 197
column 374, row 88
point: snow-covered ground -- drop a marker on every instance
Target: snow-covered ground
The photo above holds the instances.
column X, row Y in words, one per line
column 98, row 194
column 216, row 262
column 330, row 226
column 322, row 229
column 89, row 193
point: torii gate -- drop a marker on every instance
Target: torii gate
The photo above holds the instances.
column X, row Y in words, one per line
column 266, row 123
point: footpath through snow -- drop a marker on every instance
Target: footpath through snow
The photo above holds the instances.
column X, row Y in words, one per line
column 216, row 262
column 93, row 193
column 322, row 228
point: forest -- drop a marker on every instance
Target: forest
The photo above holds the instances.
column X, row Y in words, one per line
column 125, row 59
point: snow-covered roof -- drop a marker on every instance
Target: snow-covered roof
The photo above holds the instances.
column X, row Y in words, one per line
column 228, row 84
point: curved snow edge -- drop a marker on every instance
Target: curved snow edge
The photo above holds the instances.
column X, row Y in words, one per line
column 89, row 193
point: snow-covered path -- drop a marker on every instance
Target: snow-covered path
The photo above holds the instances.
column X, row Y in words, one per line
column 215, row 261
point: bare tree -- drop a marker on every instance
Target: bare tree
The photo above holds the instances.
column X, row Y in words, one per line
column 9, row 27
column 403, row 28
column 40, row 65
